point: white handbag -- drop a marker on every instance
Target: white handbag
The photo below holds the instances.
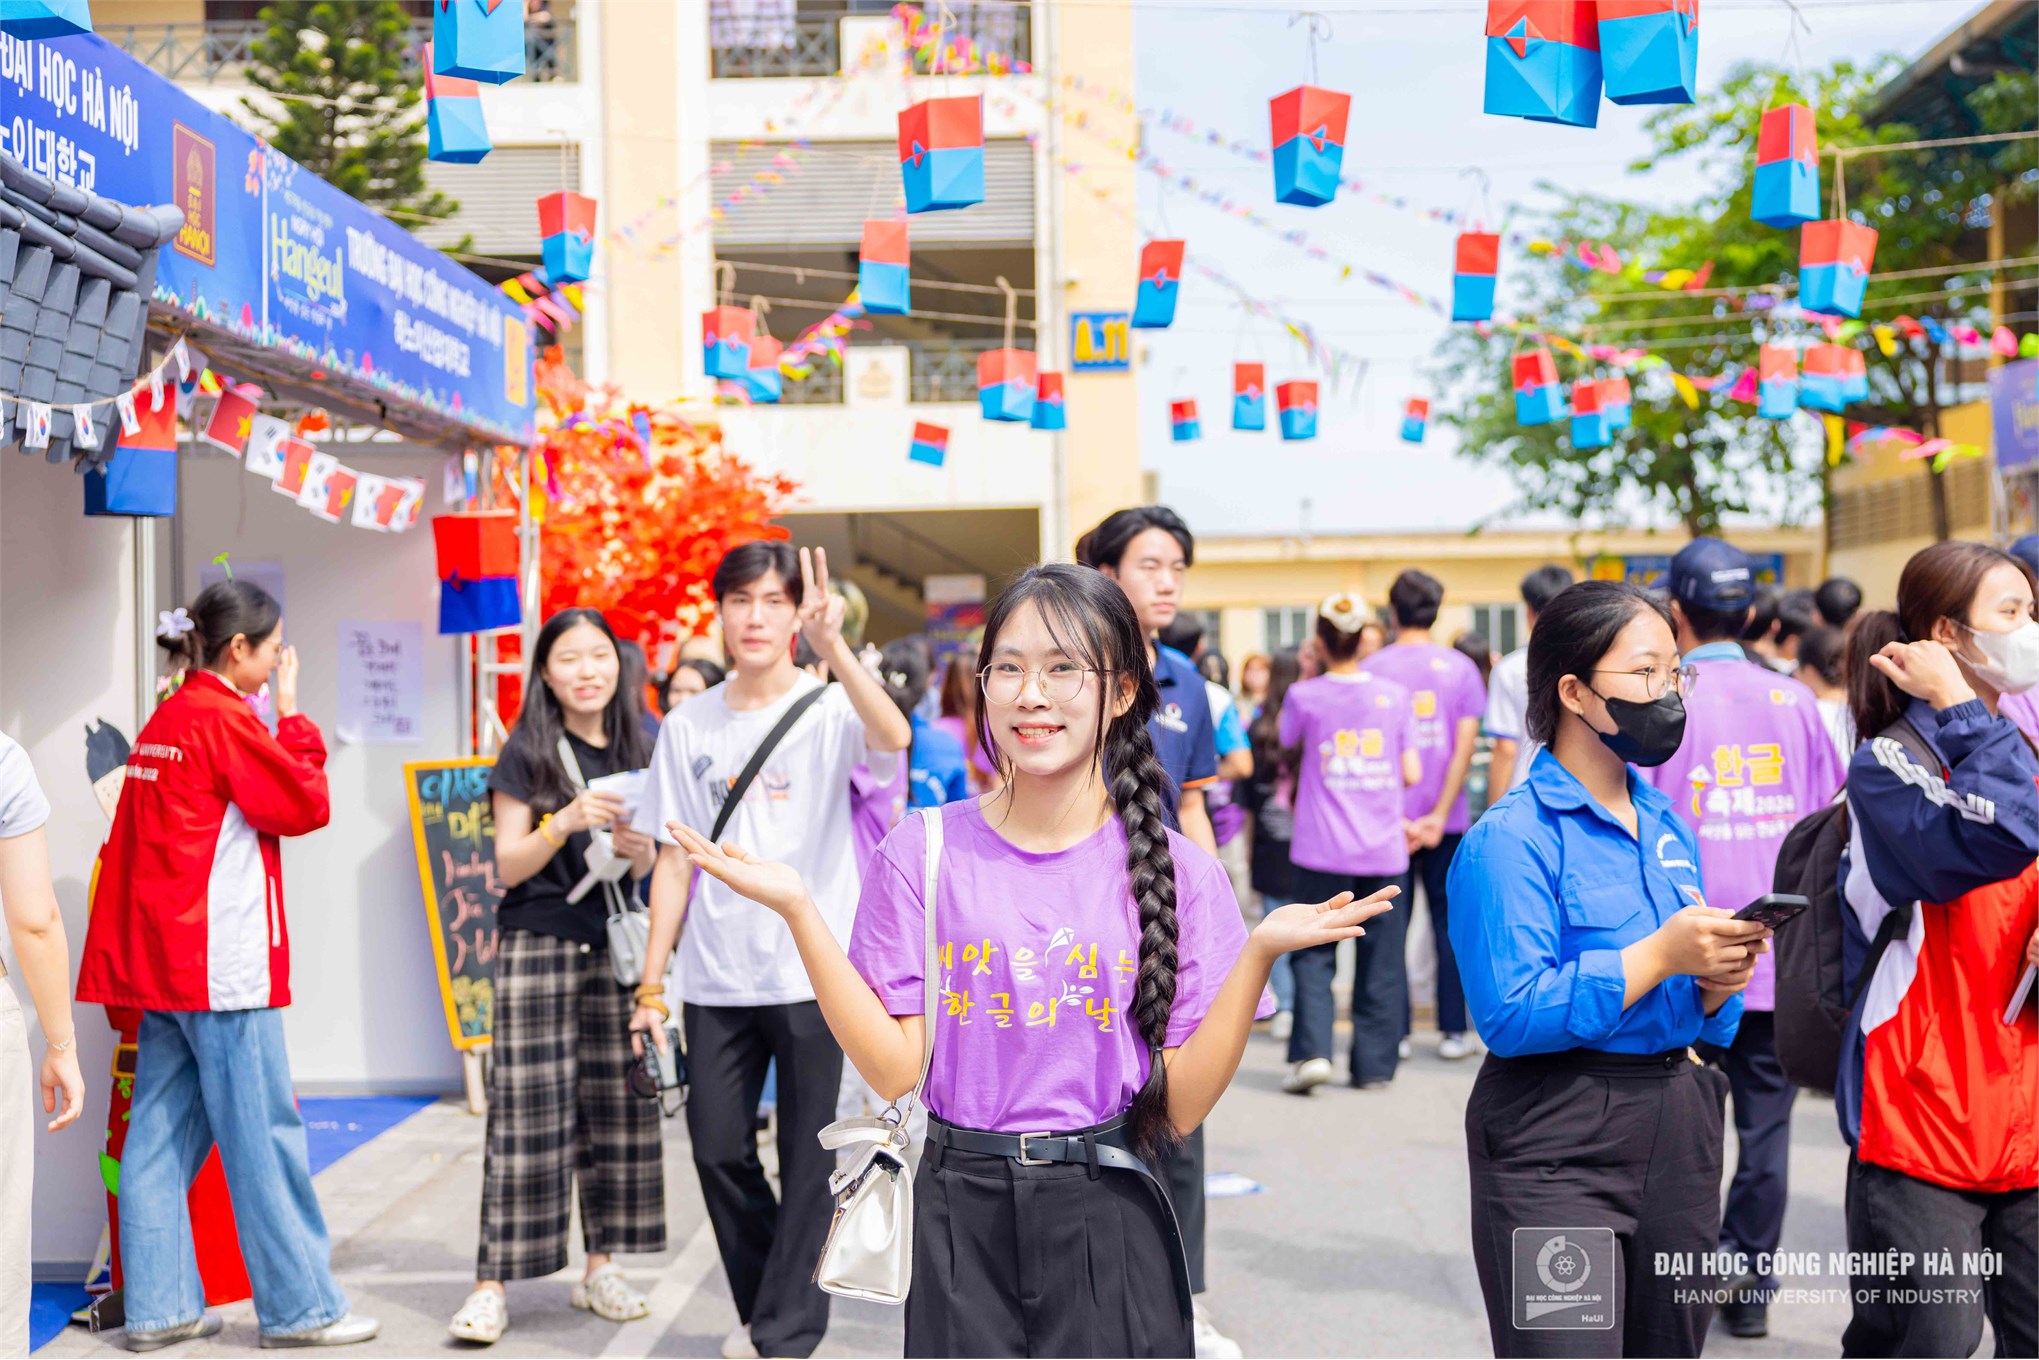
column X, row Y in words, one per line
column 869, row 1252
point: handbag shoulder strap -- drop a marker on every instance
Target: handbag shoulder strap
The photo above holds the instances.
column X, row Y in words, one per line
column 930, row 980
column 573, row 767
column 748, row 775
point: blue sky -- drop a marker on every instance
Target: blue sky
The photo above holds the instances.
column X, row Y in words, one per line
column 1415, row 71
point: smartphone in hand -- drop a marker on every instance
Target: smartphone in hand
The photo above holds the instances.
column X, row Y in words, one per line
column 1773, row 910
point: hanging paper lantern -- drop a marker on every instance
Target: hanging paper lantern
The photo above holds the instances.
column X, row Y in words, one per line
column 726, row 334
column 1182, row 422
column 140, row 479
column 941, row 153
column 1477, row 263
column 1249, row 396
column 44, row 18
column 1617, row 400
column 1649, row 50
column 1006, row 383
column 884, row 279
column 1296, row 404
column 478, row 561
column 478, row 40
column 455, row 131
column 1854, row 374
column 1539, row 396
column 1050, row 413
column 1834, row 257
column 1787, row 188
column 566, row 231
column 930, row 444
column 761, row 378
column 1309, row 144
column 1829, row 379
column 1543, row 61
column 1160, row 285
column 1589, row 423
column 1776, row 382
column 1415, row 419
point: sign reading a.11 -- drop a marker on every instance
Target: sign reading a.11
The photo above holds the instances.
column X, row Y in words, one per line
column 1100, row 342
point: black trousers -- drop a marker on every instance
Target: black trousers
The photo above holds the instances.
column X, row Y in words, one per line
column 1380, row 980
column 1889, row 1211
column 768, row 1246
column 1568, row 1142
column 1753, row 1221
column 1182, row 1171
column 1039, row 1261
column 1430, row 868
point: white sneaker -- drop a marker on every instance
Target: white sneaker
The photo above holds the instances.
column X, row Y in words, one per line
column 737, row 1345
column 1284, row 1025
column 607, row 1294
column 1309, row 1074
column 1453, row 1047
column 1211, row 1344
column 350, row 1330
column 482, row 1319
column 1403, row 1050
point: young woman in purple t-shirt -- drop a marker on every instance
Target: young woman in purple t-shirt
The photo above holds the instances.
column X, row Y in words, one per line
column 1078, row 940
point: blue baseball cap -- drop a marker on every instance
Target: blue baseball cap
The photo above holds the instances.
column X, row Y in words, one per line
column 2026, row 550
column 1710, row 574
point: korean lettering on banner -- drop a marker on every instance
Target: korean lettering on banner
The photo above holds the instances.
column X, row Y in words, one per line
column 382, row 682
column 455, row 834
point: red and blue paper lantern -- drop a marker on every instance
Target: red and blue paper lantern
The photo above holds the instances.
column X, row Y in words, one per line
column 1249, row 396
column 1589, row 422
column 1617, row 402
column 1776, row 382
column 1787, row 188
column 1160, row 285
column 1183, row 426
column 884, row 278
column 478, row 40
column 566, row 237
column 1834, row 375
column 1834, row 258
column 726, row 335
column 1309, row 144
column 1539, row 396
column 1007, row 380
column 1543, row 61
column 1415, row 419
column 478, row 560
column 1050, row 410
column 44, row 18
column 1475, row 266
column 761, row 378
column 455, row 131
column 941, row 153
column 930, row 444
column 1296, row 405
column 1649, row 50
column 140, row 479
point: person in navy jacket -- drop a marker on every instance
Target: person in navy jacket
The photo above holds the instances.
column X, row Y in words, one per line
column 1592, row 962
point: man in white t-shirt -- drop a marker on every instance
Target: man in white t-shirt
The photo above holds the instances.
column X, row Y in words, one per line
column 748, row 1001
column 1507, row 719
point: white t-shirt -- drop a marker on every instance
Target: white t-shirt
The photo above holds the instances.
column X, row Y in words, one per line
column 734, row 952
column 1840, row 725
column 1508, row 714
column 22, row 805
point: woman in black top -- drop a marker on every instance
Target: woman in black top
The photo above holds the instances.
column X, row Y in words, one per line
column 560, row 1106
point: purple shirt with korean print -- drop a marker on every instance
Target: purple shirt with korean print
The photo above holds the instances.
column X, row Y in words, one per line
column 1038, row 954
column 1756, row 758
column 1352, row 730
column 1444, row 688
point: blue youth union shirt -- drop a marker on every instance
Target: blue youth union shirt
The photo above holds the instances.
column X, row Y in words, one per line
column 936, row 773
column 1546, row 890
column 1185, row 741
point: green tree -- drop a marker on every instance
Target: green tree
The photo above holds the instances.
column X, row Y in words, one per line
column 1696, row 465
column 347, row 101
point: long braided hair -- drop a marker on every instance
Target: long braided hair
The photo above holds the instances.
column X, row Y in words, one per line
column 1092, row 621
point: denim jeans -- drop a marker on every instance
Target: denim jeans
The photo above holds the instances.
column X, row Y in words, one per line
column 1281, row 979
column 1380, row 979
column 205, row 1077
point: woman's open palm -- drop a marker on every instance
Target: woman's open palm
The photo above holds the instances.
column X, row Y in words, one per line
column 763, row 881
column 1299, row 925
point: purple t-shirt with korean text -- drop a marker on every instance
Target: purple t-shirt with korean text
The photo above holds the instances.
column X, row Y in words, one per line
column 877, row 802
column 1038, row 955
column 1351, row 730
column 1444, row 688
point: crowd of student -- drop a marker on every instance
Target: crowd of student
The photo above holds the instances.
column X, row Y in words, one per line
column 1128, row 865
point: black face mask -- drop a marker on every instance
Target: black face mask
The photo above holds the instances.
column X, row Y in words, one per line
column 1644, row 734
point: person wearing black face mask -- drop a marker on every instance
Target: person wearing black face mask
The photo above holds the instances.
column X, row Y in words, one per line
column 1592, row 961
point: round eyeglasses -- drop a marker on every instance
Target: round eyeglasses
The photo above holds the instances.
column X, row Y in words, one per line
column 1657, row 679
column 1061, row 681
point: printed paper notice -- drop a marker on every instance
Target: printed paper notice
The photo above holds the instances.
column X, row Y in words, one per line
column 382, row 683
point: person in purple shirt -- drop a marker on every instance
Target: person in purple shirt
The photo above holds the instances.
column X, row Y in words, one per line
column 1447, row 698
column 1354, row 754
column 1756, row 757
column 2023, row 709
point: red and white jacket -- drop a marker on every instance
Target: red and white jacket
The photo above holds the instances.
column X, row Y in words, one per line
column 188, row 911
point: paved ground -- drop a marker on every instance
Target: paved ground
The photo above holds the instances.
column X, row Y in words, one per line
column 1357, row 1246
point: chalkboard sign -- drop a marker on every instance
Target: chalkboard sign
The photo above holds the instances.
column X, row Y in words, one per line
column 455, row 832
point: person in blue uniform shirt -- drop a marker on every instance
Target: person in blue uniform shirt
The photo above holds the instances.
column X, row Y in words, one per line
column 1592, row 962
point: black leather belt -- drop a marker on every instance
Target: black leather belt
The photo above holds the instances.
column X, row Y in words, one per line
column 1669, row 1063
column 1102, row 1147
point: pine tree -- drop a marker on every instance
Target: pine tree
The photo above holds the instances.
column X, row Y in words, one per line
column 347, row 104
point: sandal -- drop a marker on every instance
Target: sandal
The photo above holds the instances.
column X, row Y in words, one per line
column 482, row 1319
column 607, row 1294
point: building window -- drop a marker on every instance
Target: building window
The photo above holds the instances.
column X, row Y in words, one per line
column 1501, row 625
column 1281, row 628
